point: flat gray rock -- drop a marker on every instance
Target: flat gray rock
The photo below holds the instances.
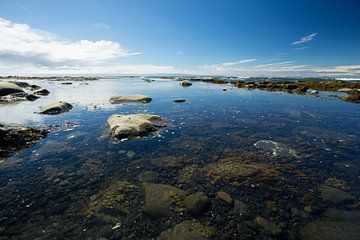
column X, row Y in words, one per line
column 130, row 98
column 133, row 125
column 56, row 108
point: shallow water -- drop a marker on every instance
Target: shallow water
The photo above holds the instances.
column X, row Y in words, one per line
column 47, row 190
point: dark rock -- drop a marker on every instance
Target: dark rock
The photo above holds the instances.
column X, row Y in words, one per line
column 179, row 100
column 185, row 83
column 31, row 97
column 334, row 195
column 42, row 92
column 148, row 176
column 196, row 203
column 267, row 226
column 240, row 208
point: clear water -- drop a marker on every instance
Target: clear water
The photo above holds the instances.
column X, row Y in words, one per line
column 46, row 190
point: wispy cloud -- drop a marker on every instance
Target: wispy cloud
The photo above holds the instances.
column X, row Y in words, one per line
column 101, row 25
column 238, row 62
column 301, row 48
column 305, row 39
column 277, row 64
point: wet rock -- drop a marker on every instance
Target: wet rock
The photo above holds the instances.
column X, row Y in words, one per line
column 180, row 100
column 31, row 97
column 148, row 176
column 330, row 230
column 276, row 149
column 196, row 203
column 162, row 200
column 16, row 137
column 188, row 230
column 343, row 216
column 344, row 90
column 56, row 108
column 240, row 208
column 130, row 98
column 334, row 195
column 133, row 125
column 224, row 197
column 7, row 88
column 185, row 83
column 42, row 92
column 267, row 226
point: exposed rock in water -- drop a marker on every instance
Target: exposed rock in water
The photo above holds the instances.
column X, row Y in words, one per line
column 42, row 92
column 188, row 230
column 185, row 83
column 133, row 125
column 276, row 149
column 179, row 100
column 7, row 88
column 17, row 137
column 330, row 230
column 162, row 200
column 314, row 92
column 130, row 98
column 56, row 108
column 334, row 195
column 196, row 203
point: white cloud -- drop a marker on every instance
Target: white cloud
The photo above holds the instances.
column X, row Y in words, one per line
column 21, row 43
column 101, row 25
column 277, row 64
column 305, row 39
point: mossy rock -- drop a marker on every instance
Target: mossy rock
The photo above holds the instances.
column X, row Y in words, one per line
column 196, row 203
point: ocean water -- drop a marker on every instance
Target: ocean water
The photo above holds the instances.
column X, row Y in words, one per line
column 58, row 187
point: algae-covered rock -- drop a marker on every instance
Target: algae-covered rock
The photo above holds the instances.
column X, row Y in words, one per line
column 196, row 203
column 133, row 125
column 56, row 108
column 276, row 149
column 224, row 197
column 112, row 203
column 188, row 230
column 16, row 137
column 130, row 98
column 162, row 200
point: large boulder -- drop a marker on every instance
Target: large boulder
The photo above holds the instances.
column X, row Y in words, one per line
column 188, row 230
column 16, row 137
column 130, row 98
column 133, row 125
column 7, row 88
column 162, row 200
column 185, row 83
column 56, row 108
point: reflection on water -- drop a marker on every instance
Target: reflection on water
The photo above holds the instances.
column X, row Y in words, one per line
column 79, row 182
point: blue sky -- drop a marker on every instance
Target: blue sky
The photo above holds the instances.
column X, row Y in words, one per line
column 246, row 38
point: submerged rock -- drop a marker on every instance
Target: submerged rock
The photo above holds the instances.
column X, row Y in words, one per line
column 276, row 149
column 334, row 195
column 224, row 197
column 185, row 83
column 133, row 125
column 267, row 226
column 188, row 230
column 196, row 203
column 148, row 176
column 130, row 98
column 56, row 108
column 240, row 208
column 17, row 137
column 162, row 200
column 330, row 230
